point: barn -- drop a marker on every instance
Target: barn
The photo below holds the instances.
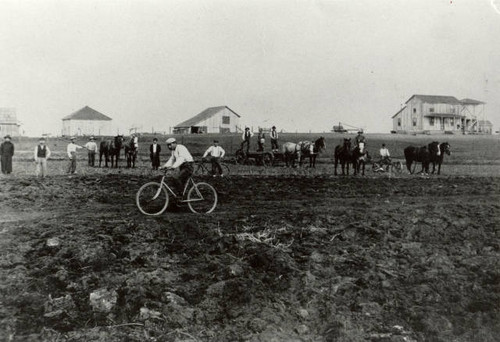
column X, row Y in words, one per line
column 86, row 121
column 8, row 122
column 220, row 119
column 438, row 114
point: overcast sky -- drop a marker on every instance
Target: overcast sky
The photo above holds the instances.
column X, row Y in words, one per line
column 299, row 65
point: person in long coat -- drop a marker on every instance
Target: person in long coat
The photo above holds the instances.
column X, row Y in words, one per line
column 6, row 153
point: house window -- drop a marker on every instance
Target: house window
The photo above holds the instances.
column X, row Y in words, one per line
column 431, row 121
column 414, row 122
column 399, row 122
column 226, row 120
column 431, row 110
column 414, row 110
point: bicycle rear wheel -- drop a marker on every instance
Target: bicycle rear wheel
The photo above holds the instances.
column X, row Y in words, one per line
column 202, row 198
column 152, row 199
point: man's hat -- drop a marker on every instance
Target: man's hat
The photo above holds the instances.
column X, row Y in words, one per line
column 216, row 141
column 72, row 138
column 274, row 127
column 92, row 138
column 41, row 139
column 360, row 131
column 7, row 137
column 155, row 139
column 171, row 140
column 246, row 128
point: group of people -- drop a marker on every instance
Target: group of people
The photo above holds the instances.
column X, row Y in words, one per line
column 384, row 154
column 261, row 139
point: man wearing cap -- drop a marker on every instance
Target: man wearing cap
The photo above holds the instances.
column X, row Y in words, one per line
column 6, row 154
column 216, row 154
column 182, row 159
column 274, row 139
column 246, row 138
column 154, row 154
column 71, row 150
column 42, row 153
column 91, row 147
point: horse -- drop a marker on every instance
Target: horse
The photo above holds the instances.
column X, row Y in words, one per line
column 291, row 151
column 432, row 153
column 360, row 157
column 131, row 153
column 343, row 154
column 311, row 149
column 110, row 149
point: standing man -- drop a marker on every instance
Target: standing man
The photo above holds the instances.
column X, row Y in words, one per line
column 71, row 150
column 216, row 153
column 42, row 153
column 6, row 154
column 91, row 147
column 246, row 138
column 135, row 141
column 360, row 138
column 154, row 154
column 182, row 159
column 274, row 139
column 261, row 140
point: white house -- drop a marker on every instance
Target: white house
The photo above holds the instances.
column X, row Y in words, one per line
column 212, row 120
column 86, row 121
column 437, row 114
column 8, row 122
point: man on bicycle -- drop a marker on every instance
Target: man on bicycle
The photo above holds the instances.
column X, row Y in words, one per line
column 182, row 159
column 216, row 153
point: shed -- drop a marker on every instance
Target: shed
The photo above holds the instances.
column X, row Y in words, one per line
column 86, row 121
column 8, row 122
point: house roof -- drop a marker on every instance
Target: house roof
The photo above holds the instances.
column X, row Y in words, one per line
column 484, row 123
column 398, row 112
column 471, row 102
column 87, row 113
column 436, row 99
column 207, row 113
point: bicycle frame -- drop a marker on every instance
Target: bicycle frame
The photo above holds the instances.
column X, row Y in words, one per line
column 189, row 184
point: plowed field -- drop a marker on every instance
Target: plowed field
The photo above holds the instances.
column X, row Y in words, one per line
column 283, row 258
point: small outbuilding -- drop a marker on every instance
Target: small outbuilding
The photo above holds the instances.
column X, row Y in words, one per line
column 86, row 121
column 220, row 119
column 8, row 122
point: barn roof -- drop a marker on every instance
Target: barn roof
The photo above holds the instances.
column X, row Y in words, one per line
column 436, row 99
column 87, row 113
column 471, row 102
column 207, row 113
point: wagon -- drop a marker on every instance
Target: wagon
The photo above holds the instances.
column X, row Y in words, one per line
column 263, row 158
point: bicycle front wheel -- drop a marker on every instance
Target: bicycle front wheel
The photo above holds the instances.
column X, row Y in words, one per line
column 152, row 199
column 202, row 198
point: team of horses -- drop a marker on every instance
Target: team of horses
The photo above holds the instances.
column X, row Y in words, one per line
column 111, row 150
column 298, row 151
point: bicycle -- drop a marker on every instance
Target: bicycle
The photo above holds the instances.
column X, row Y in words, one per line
column 152, row 198
column 201, row 169
column 393, row 166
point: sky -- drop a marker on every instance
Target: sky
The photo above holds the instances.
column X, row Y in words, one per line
column 300, row 65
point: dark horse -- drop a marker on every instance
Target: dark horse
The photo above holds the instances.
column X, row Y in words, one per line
column 131, row 153
column 111, row 149
column 344, row 155
column 432, row 153
column 360, row 157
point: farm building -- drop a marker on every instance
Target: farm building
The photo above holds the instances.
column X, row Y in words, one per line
column 212, row 120
column 86, row 121
column 8, row 122
column 438, row 114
